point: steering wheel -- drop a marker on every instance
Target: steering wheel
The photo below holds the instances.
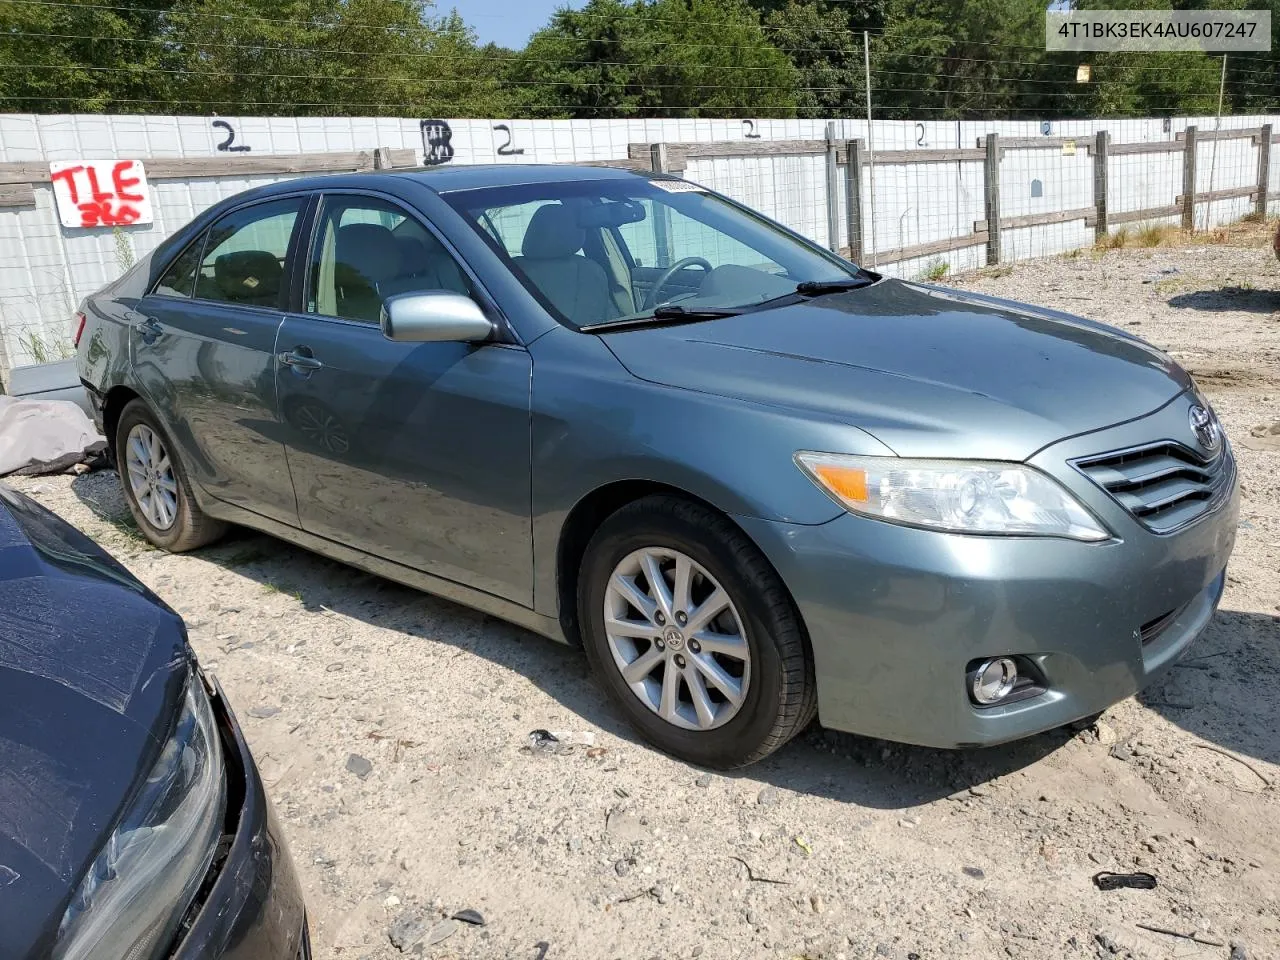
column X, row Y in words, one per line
column 670, row 272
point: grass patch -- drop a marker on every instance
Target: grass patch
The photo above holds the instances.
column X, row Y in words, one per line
column 936, row 270
column 1157, row 235
column 1072, row 254
column 1115, row 240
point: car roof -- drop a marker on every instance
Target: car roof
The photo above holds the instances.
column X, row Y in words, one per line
column 449, row 179
column 445, row 179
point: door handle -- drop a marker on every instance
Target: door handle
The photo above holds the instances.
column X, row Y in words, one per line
column 299, row 360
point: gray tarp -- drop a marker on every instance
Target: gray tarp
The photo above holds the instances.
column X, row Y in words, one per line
column 45, row 436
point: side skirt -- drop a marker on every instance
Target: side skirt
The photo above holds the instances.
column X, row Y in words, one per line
column 436, row 586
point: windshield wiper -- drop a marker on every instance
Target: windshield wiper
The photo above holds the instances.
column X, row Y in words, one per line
column 817, row 288
column 666, row 314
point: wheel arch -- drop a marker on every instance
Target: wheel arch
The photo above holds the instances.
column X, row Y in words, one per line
column 585, row 517
column 115, row 400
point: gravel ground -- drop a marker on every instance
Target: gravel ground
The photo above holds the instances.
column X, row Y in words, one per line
column 393, row 732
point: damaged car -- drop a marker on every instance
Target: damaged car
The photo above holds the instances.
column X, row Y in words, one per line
column 133, row 822
column 756, row 482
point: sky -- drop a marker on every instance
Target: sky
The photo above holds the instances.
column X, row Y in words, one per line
column 507, row 22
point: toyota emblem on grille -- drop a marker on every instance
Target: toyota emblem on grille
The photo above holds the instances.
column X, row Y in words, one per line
column 1205, row 426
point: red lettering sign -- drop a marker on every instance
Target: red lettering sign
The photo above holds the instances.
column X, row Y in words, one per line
column 101, row 193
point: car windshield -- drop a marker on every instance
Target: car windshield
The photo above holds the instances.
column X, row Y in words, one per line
column 605, row 251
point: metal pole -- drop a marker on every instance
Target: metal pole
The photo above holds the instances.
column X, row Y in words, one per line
column 833, row 191
column 1213, row 155
column 871, row 152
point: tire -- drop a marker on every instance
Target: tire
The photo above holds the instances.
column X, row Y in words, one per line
column 188, row 526
column 780, row 697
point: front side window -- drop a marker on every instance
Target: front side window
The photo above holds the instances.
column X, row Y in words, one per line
column 604, row 250
column 367, row 250
column 244, row 256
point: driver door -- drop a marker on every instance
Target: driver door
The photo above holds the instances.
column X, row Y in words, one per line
column 414, row 452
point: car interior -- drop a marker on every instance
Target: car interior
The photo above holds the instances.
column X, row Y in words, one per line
column 585, row 256
column 361, row 264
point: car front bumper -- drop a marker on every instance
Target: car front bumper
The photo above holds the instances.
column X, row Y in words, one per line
column 895, row 615
column 254, row 909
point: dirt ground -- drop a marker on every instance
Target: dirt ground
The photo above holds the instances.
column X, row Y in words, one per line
column 393, row 728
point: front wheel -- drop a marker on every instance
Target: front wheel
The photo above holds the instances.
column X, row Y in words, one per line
column 693, row 634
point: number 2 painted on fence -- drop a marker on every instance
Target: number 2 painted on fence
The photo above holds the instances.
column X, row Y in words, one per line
column 505, row 150
column 226, row 145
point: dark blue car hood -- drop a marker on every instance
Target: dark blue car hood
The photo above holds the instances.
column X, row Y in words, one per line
column 929, row 372
column 92, row 670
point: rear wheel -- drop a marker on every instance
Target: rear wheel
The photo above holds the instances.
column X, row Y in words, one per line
column 155, row 485
column 693, row 634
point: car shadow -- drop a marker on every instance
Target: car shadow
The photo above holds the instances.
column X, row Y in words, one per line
column 1225, row 690
column 825, row 763
column 1239, row 299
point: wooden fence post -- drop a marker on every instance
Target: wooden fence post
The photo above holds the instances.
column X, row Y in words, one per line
column 853, row 185
column 658, row 157
column 833, row 191
column 1102, row 143
column 991, row 192
column 1264, row 171
column 1189, row 181
column 662, row 223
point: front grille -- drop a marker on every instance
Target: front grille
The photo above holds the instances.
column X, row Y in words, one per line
column 1164, row 485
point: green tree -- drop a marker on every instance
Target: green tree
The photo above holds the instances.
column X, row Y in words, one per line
column 1149, row 83
column 82, row 58
column 661, row 58
column 324, row 57
column 823, row 41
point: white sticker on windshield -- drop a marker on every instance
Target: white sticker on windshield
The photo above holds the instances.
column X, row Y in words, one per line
column 678, row 186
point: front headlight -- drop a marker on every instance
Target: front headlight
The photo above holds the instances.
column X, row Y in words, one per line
column 959, row 496
column 136, row 891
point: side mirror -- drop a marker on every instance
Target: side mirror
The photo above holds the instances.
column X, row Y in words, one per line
column 433, row 316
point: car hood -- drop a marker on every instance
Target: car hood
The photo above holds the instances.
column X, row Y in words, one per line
column 92, row 671
column 930, row 372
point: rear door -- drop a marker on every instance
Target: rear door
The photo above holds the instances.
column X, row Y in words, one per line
column 203, row 349
column 415, row 452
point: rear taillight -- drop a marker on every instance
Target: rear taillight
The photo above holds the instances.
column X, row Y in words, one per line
column 78, row 322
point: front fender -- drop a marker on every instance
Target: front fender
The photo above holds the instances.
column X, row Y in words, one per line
column 594, row 424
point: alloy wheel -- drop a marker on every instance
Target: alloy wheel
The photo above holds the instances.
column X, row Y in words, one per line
column 677, row 638
column 151, row 476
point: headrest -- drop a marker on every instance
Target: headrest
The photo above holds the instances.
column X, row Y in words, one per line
column 248, row 274
column 369, row 249
column 553, row 233
column 413, row 254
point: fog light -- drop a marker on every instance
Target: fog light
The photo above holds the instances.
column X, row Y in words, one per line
column 994, row 680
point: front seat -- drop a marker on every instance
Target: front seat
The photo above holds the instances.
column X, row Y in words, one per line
column 248, row 276
column 426, row 265
column 367, row 258
column 576, row 286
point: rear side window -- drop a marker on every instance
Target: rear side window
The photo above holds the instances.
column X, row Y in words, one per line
column 180, row 278
column 244, row 256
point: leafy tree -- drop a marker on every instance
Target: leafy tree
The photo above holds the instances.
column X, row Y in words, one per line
column 823, row 41
column 672, row 58
column 352, row 57
column 81, row 58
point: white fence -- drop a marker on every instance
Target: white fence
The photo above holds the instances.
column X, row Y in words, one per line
column 919, row 214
